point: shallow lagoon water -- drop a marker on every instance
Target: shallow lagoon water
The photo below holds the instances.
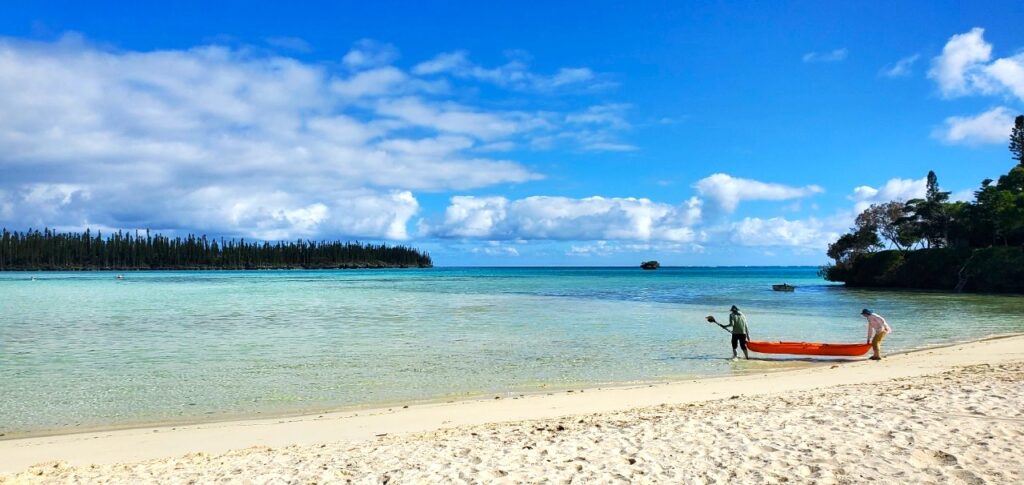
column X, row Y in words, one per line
column 87, row 350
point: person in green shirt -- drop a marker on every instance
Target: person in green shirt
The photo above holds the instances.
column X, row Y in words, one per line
column 740, row 333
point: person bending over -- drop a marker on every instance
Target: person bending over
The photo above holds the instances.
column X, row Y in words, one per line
column 878, row 328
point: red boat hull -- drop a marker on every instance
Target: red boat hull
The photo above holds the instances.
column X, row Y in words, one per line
column 809, row 348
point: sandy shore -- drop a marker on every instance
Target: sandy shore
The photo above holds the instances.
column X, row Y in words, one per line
column 944, row 415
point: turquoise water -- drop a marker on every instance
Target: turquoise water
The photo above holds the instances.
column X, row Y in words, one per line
column 87, row 350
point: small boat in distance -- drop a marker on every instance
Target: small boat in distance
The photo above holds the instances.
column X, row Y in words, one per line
column 783, row 287
column 650, row 265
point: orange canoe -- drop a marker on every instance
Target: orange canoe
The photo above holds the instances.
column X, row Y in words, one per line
column 809, row 348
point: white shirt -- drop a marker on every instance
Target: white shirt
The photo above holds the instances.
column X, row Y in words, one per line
column 877, row 325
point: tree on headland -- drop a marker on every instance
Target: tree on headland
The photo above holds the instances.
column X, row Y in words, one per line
column 851, row 245
column 930, row 216
column 891, row 221
column 1017, row 140
column 960, row 240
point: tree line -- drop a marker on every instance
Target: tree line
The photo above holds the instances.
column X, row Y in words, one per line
column 52, row 250
column 994, row 219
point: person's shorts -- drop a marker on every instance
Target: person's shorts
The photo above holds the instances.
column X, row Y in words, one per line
column 739, row 339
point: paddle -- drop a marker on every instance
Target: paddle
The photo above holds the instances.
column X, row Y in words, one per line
column 711, row 319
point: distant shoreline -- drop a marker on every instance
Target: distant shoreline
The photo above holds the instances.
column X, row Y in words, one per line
column 268, row 268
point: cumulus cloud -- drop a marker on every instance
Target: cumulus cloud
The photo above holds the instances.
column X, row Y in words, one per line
column 966, row 67
column 242, row 142
column 727, row 191
column 901, row 68
column 777, row 231
column 563, row 218
column 992, row 126
column 513, row 74
column 829, row 56
column 894, row 189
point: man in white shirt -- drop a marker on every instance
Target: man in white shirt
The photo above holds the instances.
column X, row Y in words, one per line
column 878, row 328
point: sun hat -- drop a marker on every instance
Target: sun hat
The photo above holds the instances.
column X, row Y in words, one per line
column 866, row 312
column 734, row 309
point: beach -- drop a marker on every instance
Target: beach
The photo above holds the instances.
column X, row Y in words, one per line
column 943, row 415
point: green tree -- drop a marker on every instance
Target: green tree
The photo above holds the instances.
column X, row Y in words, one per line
column 892, row 222
column 1017, row 140
column 930, row 216
column 853, row 244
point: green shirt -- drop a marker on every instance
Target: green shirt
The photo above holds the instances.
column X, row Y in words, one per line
column 738, row 323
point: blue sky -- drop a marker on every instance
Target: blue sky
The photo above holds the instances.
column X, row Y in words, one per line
column 502, row 133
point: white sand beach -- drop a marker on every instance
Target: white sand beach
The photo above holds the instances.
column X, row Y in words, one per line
column 944, row 415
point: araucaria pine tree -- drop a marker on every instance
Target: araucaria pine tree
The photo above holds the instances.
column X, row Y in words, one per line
column 1017, row 140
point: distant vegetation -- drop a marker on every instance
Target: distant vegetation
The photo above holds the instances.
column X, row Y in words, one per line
column 937, row 244
column 50, row 250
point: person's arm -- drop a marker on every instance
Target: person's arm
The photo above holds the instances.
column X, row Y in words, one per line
column 712, row 320
column 869, row 328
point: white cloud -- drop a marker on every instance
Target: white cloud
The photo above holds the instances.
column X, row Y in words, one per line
column 966, row 195
column 777, row 231
column 454, row 118
column 727, row 191
column 370, row 53
column 830, row 56
column 963, row 68
column 959, row 57
column 601, row 115
column 495, row 248
column 605, row 146
column 562, row 218
column 1010, row 73
column 513, row 74
column 607, row 248
column 992, row 126
column 901, row 68
column 894, row 189
column 442, row 63
column 235, row 141
column 374, row 82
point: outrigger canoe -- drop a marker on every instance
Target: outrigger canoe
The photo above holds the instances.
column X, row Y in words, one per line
column 809, row 348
